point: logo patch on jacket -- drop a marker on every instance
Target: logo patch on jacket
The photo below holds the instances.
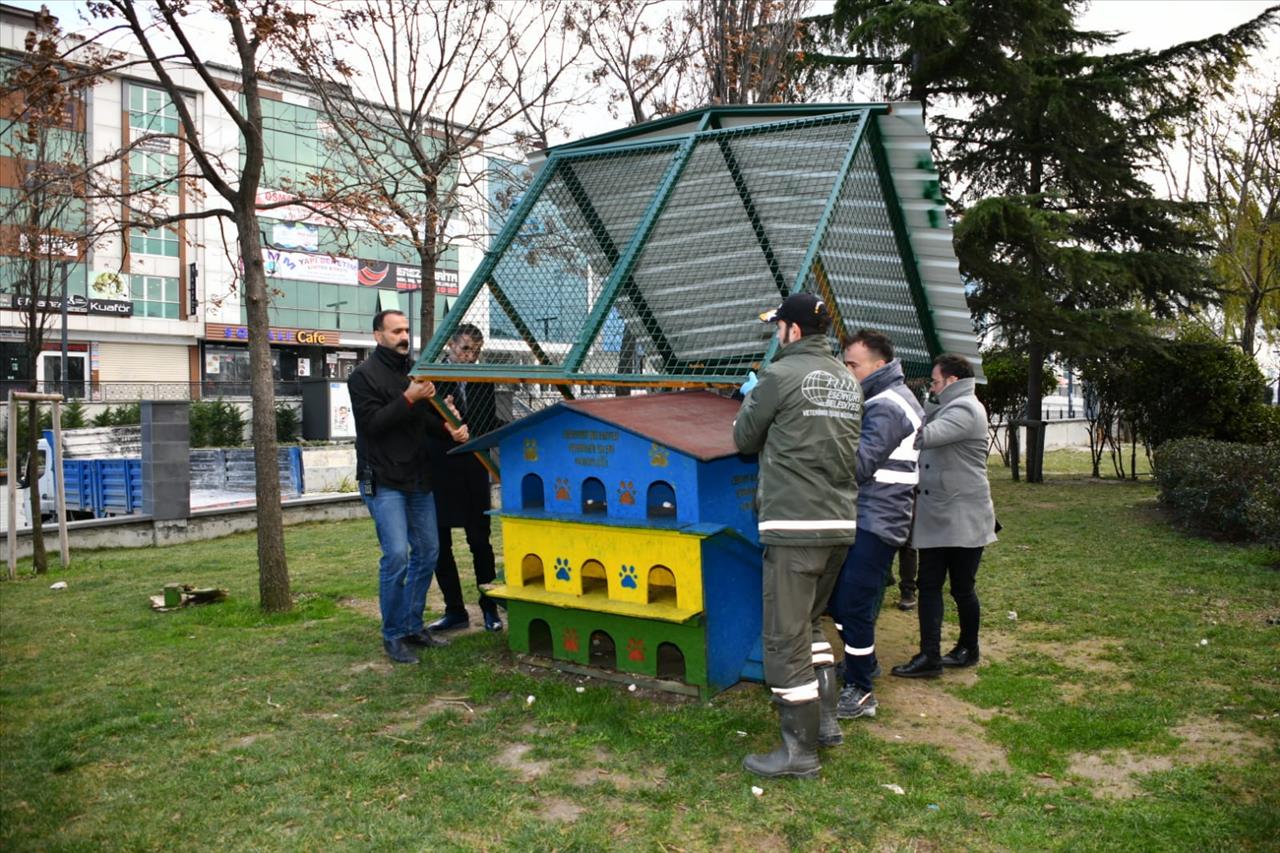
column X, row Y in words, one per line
column 834, row 396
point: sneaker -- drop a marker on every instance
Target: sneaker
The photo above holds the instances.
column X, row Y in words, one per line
column 855, row 702
column 907, row 602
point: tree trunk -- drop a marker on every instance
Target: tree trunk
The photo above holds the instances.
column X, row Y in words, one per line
column 1035, row 398
column 427, row 315
column 1252, row 307
column 273, row 569
column 39, row 558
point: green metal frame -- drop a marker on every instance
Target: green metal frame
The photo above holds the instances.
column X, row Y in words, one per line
column 621, row 281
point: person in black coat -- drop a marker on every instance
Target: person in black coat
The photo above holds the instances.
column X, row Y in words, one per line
column 396, row 427
column 463, row 488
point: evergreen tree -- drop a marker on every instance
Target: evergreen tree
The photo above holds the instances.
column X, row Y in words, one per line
column 1065, row 241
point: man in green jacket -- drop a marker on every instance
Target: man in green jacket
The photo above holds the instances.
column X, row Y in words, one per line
column 803, row 418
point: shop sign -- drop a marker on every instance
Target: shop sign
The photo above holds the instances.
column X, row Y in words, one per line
column 305, row 337
column 155, row 144
column 76, row 304
column 389, row 276
column 324, row 269
column 111, row 307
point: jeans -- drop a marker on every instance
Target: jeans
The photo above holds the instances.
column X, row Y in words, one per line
column 935, row 565
column 856, row 602
column 406, row 526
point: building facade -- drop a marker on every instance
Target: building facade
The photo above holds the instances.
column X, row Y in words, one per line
column 158, row 313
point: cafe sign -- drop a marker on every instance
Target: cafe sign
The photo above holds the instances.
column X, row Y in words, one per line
column 304, row 337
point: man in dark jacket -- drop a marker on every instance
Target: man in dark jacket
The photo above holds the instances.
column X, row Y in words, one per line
column 802, row 418
column 887, row 477
column 394, row 422
column 463, row 488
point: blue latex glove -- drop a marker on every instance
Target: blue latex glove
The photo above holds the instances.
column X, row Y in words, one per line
column 751, row 382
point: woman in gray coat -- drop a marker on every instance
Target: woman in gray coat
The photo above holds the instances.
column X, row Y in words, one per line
column 954, row 516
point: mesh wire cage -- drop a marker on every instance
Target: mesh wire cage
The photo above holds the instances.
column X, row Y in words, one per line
column 643, row 258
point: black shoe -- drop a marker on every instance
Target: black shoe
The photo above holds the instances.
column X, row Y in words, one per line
column 492, row 621
column 426, row 640
column 907, row 602
column 450, row 621
column 399, row 652
column 920, row 666
column 960, row 656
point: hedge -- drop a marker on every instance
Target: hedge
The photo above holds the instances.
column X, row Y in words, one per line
column 1222, row 489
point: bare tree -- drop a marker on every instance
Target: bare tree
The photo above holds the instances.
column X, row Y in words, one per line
column 1232, row 167
column 645, row 55
column 415, row 100
column 173, row 38
column 45, row 226
column 749, row 50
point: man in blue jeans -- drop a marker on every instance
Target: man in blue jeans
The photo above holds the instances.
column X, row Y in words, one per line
column 394, row 425
column 887, row 476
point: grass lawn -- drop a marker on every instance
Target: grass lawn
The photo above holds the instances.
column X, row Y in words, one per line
column 1128, row 698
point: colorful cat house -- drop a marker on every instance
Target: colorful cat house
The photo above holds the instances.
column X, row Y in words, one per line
column 629, row 540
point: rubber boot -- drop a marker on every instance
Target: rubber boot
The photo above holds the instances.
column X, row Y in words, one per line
column 829, row 732
column 797, row 755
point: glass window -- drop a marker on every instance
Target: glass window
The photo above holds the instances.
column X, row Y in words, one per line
column 154, row 296
column 157, row 241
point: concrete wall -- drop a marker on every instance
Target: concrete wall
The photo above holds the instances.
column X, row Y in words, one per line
column 1059, row 435
column 329, row 469
column 132, row 531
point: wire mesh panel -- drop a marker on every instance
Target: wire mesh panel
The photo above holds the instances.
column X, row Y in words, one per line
column 645, row 260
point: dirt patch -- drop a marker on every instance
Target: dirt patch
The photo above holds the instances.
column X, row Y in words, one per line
column 603, row 773
column 556, row 809
column 1118, row 773
column 379, row 666
column 514, row 758
column 921, row 710
column 364, row 606
column 1089, row 655
column 410, row 719
column 247, row 740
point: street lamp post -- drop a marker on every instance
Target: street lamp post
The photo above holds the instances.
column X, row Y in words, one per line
column 62, row 372
column 337, row 319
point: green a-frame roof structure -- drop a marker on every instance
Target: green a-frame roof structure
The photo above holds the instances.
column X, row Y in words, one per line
column 643, row 257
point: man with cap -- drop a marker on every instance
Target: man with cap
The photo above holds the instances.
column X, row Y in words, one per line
column 802, row 417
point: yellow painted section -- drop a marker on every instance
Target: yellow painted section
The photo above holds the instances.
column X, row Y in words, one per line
column 637, row 567
column 596, row 601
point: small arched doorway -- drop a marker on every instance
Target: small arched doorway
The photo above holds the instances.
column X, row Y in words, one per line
column 594, row 579
column 594, row 501
column 661, row 500
column 670, row 662
column 540, row 639
column 602, row 651
column 531, row 494
column 662, row 586
column 531, row 570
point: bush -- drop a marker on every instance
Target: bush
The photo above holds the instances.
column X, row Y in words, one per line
column 73, row 415
column 288, row 424
column 216, row 423
column 126, row 415
column 1222, row 489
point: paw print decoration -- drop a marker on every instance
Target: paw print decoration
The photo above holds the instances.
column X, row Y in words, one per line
column 562, row 489
column 627, row 493
column 562, row 569
column 635, row 649
column 571, row 640
column 658, row 455
column 627, row 577
column 531, row 449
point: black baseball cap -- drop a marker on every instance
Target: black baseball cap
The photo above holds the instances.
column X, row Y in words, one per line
column 803, row 309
